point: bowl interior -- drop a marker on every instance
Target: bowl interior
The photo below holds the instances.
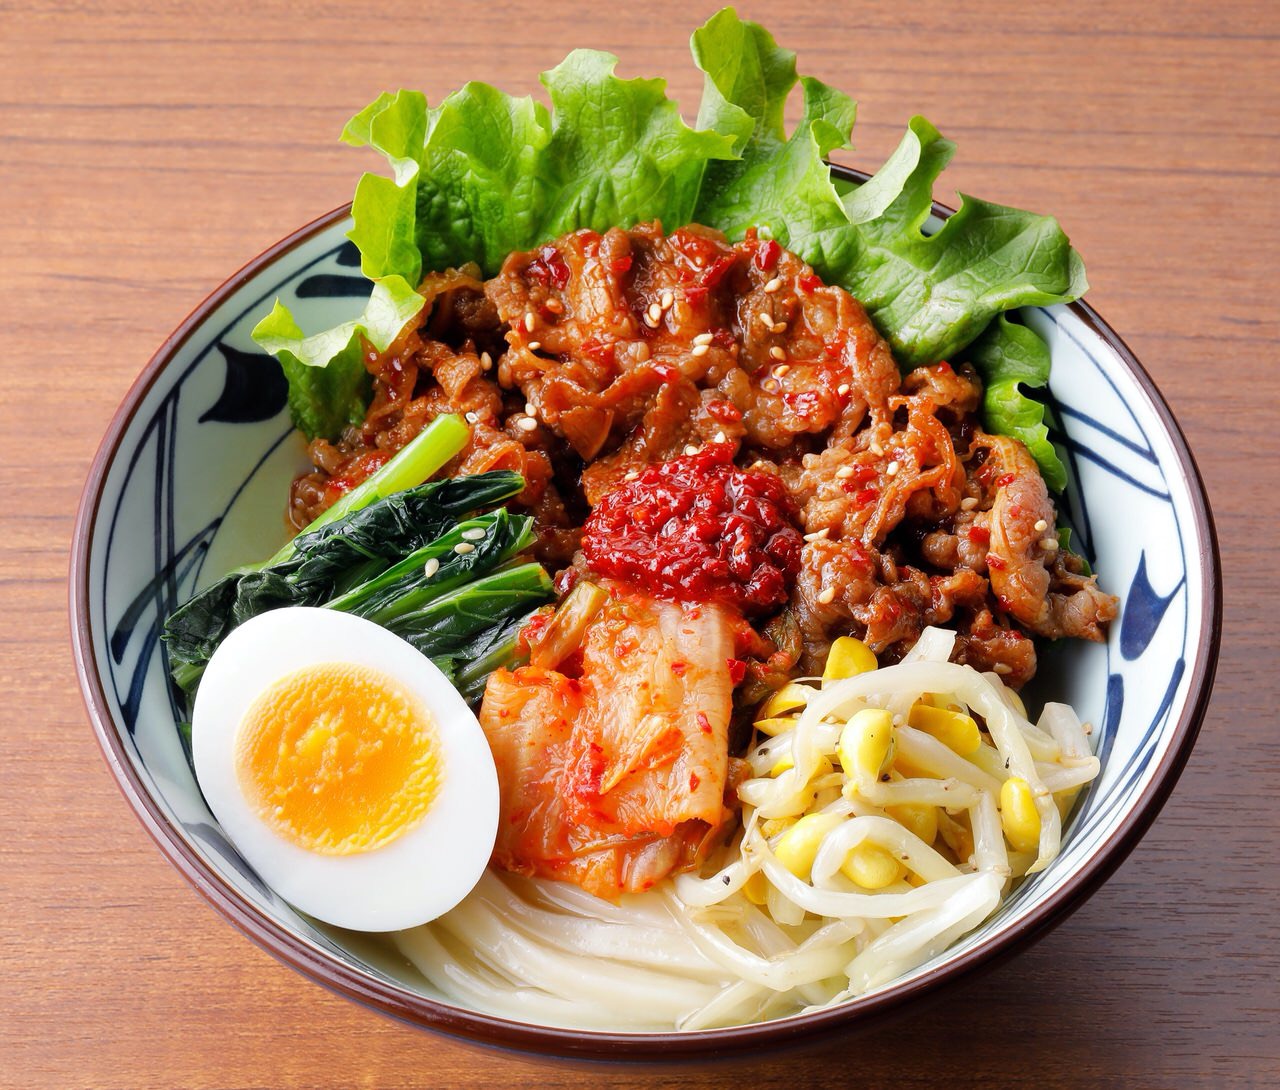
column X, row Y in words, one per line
column 194, row 479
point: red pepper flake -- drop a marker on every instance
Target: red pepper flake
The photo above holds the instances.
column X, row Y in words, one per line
column 810, row 283
column 678, row 668
column 737, row 670
column 944, row 368
column 549, row 267
column 979, row 535
column 589, row 773
column 708, row 281
column 598, row 350
column 694, row 780
column 995, row 563
column 355, row 472
column 724, row 411
column 621, row 265
column 866, row 496
column 767, row 254
column 1015, row 510
column 666, row 372
column 704, row 724
column 864, row 473
column 1006, row 479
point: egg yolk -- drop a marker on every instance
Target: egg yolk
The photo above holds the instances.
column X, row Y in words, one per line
column 338, row 759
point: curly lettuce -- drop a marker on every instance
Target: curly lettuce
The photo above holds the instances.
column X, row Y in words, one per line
column 485, row 173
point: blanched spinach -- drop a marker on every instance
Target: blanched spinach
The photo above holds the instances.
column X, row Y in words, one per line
column 386, row 545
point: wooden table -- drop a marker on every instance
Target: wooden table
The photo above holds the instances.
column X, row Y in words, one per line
column 148, row 150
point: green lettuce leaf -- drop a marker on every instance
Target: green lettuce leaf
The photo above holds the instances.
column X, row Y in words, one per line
column 619, row 151
column 477, row 177
column 778, row 184
column 1009, row 356
column 328, row 383
column 484, row 173
column 931, row 295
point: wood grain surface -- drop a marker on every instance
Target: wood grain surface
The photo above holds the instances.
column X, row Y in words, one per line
column 148, row 150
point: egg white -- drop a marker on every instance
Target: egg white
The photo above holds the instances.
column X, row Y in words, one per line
column 423, row 872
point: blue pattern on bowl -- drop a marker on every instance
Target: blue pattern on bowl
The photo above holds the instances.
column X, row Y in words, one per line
column 198, row 482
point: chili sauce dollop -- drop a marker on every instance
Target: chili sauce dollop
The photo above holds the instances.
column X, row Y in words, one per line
column 698, row 528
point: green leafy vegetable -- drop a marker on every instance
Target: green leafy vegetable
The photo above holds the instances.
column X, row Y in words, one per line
column 382, row 533
column 777, row 182
column 475, row 659
column 328, row 384
column 483, row 174
column 442, row 624
column 1010, row 356
column 425, row 454
column 930, row 295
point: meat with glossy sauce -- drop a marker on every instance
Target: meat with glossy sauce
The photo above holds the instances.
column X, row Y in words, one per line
column 595, row 356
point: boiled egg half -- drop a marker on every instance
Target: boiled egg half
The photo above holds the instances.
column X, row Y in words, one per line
column 345, row 768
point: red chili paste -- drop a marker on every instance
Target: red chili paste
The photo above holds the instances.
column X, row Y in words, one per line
column 697, row 528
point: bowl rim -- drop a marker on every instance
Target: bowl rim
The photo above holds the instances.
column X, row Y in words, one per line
column 482, row 1028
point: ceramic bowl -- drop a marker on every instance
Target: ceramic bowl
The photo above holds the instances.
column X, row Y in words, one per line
column 191, row 479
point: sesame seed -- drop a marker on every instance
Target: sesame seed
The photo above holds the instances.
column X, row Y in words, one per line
column 486, row 360
column 773, row 285
column 770, row 385
column 818, row 535
column 651, row 321
column 876, row 448
column 719, row 437
column 691, row 449
column 892, row 469
column 781, row 370
column 464, row 547
column 655, row 312
column 430, row 568
column 843, row 389
column 968, row 503
column 765, row 319
column 1002, row 668
column 777, row 352
column 1049, row 544
column 844, row 473
column 527, row 423
column 704, row 338
column 1041, row 526
column 700, row 350
column 827, row 596
column 529, row 409
column 667, row 300
column 471, row 418
column 779, row 327
column 631, row 475
column 529, row 321
column 476, row 533
column 534, row 346
column 554, row 305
